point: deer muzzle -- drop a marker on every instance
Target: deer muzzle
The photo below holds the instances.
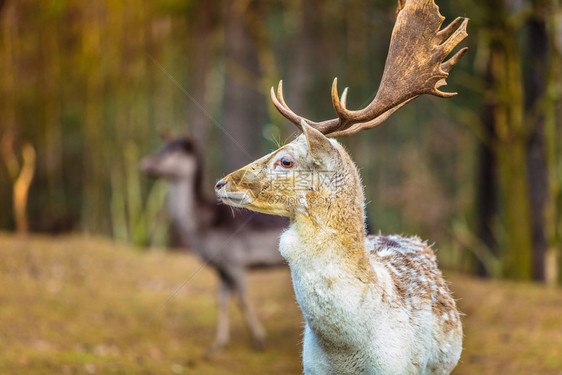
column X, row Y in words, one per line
column 228, row 193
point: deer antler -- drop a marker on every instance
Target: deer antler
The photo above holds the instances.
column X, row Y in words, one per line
column 414, row 66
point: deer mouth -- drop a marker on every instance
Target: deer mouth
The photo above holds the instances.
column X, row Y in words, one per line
column 238, row 199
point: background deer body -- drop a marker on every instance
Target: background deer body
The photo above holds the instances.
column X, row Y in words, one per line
column 231, row 245
column 372, row 305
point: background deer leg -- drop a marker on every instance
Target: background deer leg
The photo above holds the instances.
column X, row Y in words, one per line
column 223, row 332
column 258, row 333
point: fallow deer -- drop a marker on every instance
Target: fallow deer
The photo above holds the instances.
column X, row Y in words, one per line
column 229, row 244
column 371, row 304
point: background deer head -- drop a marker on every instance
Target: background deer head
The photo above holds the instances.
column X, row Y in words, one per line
column 178, row 159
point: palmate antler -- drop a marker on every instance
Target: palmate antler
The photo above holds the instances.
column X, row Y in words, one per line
column 414, row 66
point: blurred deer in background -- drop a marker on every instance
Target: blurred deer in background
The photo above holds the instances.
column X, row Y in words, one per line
column 231, row 245
column 372, row 304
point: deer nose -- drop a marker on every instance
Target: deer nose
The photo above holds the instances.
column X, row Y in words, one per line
column 220, row 185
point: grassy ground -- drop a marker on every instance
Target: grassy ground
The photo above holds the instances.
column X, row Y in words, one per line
column 79, row 305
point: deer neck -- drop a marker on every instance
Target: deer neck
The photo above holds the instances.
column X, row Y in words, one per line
column 330, row 267
column 329, row 229
column 184, row 207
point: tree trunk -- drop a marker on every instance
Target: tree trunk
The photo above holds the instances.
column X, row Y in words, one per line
column 244, row 105
column 300, row 73
column 486, row 197
column 92, row 195
column 535, row 76
column 511, row 155
column 201, row 53
column 553, row 261
column 487, row 184
column 53, row 141
column 514, row 189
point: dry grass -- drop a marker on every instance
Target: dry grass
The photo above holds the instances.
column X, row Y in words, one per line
column 79, row 305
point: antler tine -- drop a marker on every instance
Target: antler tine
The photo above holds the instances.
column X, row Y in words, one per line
column 450, row 29
column 283, row 108
column 344, row 98
column 450, row 36
column 339, row 104
column 414, row 66
column 448, row 65
column 453, row 37
column 280, row 93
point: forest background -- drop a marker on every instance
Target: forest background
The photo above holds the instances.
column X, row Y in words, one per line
column 86, row 88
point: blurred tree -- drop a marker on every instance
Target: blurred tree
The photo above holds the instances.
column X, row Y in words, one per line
column 516, row 133
column 535, row 74
column 300, row 68
column 552, row 133
column 51, row 96
column 203, row 20
column 244, row 102
column 22, row 175
column 92, row 179
column 89, row 85
column 486, row 193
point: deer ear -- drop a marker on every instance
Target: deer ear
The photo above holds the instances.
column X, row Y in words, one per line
column 318, row 144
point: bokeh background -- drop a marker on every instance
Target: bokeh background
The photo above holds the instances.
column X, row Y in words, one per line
column 87, row 87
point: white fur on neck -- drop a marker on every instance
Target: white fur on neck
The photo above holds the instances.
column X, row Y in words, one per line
column 350, row 329
column 332, row 302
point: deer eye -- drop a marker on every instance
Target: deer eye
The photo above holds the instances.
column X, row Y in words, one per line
column 286, row 162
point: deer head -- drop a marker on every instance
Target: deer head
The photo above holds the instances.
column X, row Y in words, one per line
column 414, row 66
column 303, row 176
column 178, row 159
